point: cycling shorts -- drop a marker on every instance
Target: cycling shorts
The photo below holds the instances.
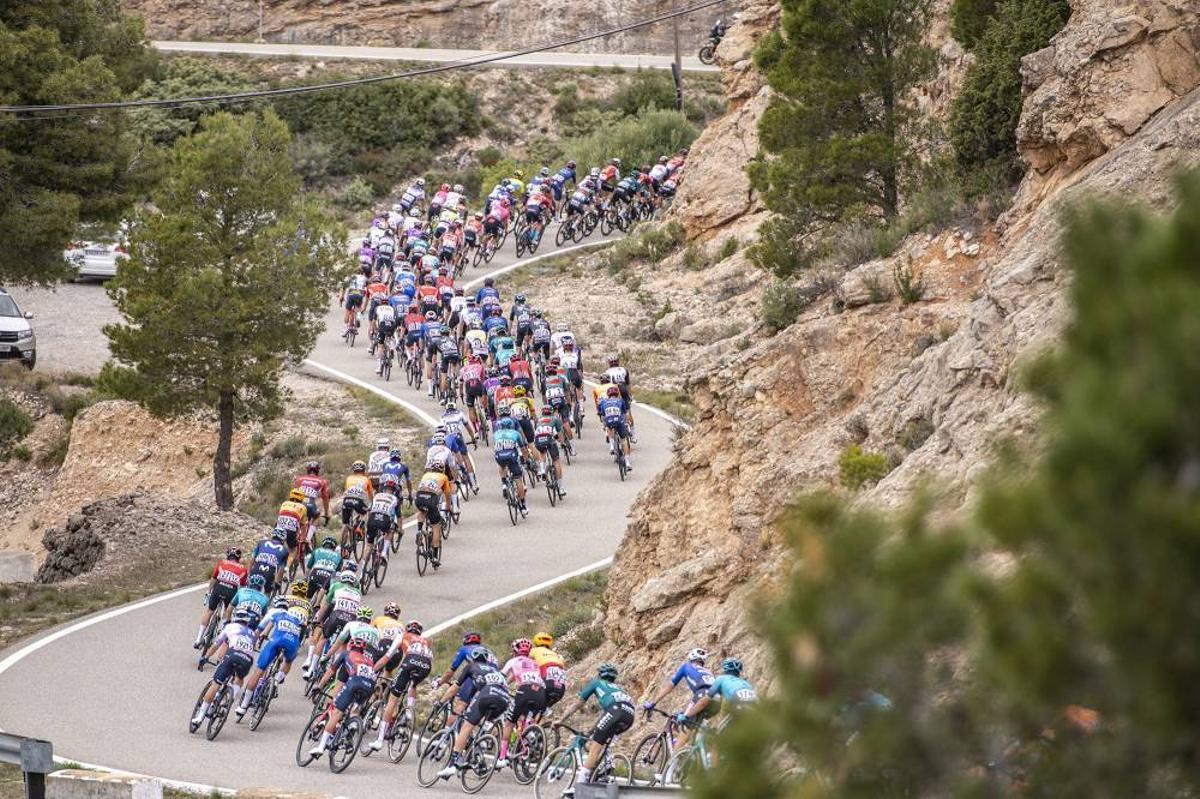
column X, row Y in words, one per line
column 528, row 700
column 448, row 361
column 378, row 524
column 532, row 217
column 267, row 572
column 333, row 625
column 617, row 425
column 543, row 347
column 473, row 391
column 413, row 672
column 614, row 721
column 511, row 461
column 526, row 426
column 318, row 580
column 491, row 226
column 354, row 302
column 547, row 445
column 525, row 383
column 412, row 338
column 555, row 691
column 429, row 502
column 456, row 444
column 356, row 689
column 221, row 593
column 490, row 703
column 351, row 506
column 234, row 664
column 287, row 645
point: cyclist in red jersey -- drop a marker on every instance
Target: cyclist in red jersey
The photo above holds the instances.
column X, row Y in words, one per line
column 316, row 490
column 227, row 577
column 519, row 371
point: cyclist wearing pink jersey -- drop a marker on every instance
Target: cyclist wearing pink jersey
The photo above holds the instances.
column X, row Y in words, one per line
column 529, row 692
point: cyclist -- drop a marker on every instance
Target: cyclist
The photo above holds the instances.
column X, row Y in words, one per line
column 538, row 208
column 413, row 195
column 384, row 515
column 433, row 493
column 489, row 701
column 516, row 184
column 546, row 436
column 552, row 667
column 520, row 371
column 507, row 446
column 523, row 412
column 616, row 718
column 440, row 458
column 252, row 599
column 227, row 577
column 611, row 410
column 385, row 327
column 357, row 493
column 729, row 692
column 457, row 426
column 293, row 517
column 396, row 468
column 437, row 201
column 610, row 176
column 282, row 626
column 377, row 459
column 299, row 601
column 618, row 375
column 269, row 558
column 472, row 375
column 322, row 564
column 360, row 682
column 451, row 357
column 539, row 334
column 416, row 661
column 315, row 488
column 339, row 605
column 488, row 289
column 237, row 637
column 529, row 692
column 561, row 178
column 352, row 298
column 390, row 629
column 698, row 678
column 471, row 641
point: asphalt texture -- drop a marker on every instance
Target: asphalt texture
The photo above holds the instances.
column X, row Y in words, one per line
column 119, row 693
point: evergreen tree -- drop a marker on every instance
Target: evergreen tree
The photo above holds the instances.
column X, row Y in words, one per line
column 55, row 173
column 226, row 281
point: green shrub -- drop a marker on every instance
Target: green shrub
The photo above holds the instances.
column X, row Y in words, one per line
column 694, row 259
column 652, row 244
column 647, row 90
column 857, row 468
column 291, row 448
column 358, row 194
column 639, row 140
column 778, row 248
column 781, row 305
column 969, row 19
column 909, row 288
column 728, row 248
column 489, row 156
column 983, row 121
column 57, row 453
column 15, row 423
column 20, row 452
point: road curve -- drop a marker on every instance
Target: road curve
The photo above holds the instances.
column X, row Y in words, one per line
column 118, row 692
column 559, row 60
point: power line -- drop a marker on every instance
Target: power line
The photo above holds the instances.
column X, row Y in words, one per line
column 321, row 87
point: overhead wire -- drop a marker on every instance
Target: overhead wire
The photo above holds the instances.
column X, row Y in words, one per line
column 35, row 112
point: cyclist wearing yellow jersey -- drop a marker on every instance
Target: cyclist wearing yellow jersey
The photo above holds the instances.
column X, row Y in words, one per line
column 433, row 494
column 390, row 628
column 293, row 519
column 357, row 493
column 516, row 184
column 554, row 670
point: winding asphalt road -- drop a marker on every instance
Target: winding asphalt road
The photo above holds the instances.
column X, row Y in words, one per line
column 119, row 692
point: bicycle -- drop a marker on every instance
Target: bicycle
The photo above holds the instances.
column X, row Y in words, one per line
column 217, row 712
column 528, row 741
column 513, row 500
column 354, row 540
column 439, row 715
column 414, row 371
column 214, row 621
column 551, row 480
column 376, row 566
column 478, row 758
column 424, row 541
column 652, row 752
column 619, row 456
column 685, row 763
column 351, row 333
column 265, row 691
column 389, row 354
column 398, row 738
column 558, row 770
column 342, row 748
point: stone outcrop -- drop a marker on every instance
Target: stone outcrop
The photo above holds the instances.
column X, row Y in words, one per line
column 1110, row 70
column 487, row 24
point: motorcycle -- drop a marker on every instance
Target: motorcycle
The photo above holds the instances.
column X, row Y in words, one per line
column 708, row 53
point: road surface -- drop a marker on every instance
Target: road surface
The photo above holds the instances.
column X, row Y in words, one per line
column 561, row 60
column 119, row 693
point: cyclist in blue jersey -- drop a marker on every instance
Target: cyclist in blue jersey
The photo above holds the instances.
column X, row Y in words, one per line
column 698, row 679
column 612, row 411
column 396, row 467
column 729, row 692
column 507, row 445
column 487, row 290
column 252, row 599
column 283, row 626
column 269, row 558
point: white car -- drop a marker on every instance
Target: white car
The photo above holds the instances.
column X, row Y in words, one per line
column 16, row 334
column 95, row 258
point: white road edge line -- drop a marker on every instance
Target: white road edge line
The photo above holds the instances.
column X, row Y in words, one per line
column 408, row 406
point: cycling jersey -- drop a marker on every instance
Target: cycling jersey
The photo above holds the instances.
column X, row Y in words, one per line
column 506, row 445
column 498, row 323
column 618, row 375
column 251, row 601
column 698, row 678
column 361, row 630
column 270, row 553
column 229, row 573
column 314, row 486
column 344, row 599
column 472, row 373
column 292, row 516
column 358, row 486
column 376, row 460
column 522, row 671
column 453, row 420
column 608, row 694
column 300, row 608
column 437, row 458
column 390, row 630
column 434, row 483
column 384, row 508
column 732, row 690
column 324, row 560
column 397, row 469
column 486, row 291
column 612, row 410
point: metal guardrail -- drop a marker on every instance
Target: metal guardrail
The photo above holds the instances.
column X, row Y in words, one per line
column 595, row 790
column 34, row 756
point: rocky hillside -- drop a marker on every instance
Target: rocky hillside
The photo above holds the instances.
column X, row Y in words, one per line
column 494, row 24
column 1112, row 109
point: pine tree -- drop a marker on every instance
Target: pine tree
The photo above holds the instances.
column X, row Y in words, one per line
column 226, row 281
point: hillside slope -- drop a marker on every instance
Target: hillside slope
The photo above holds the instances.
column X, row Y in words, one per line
column 1112, row 109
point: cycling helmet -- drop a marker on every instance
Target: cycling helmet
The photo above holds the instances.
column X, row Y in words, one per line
column 489, row 282
column 544, row 171
column 420, row 181
column 328, row 542
column 365, row 613
column 607, row 671
column 471, row 638
column 543, row 639
column 395, row 454
column 519, row 298
column 521, row 646
column 415, row 627
column 242, row 616
column 279, row 602
column 458, row 188
column 358, row 644
column 613, row 360
column 350, row 566
column 595, row 172
column 279, row 534
column 662, row 159
column 439, row 439
column 257, row 582
column 518, row 174
column 444, row 187
column 313, row 467
column 481, row 654
column 431, row 316
column 614, row 391
column 563, row 327
column 505, row 380
column 697, row 655
column 382, row 443
column 358, row 466
column 551, row 369
column 519, row 391
column 346, row 576
column 506, row 423
column 731, row 666
column 300, row 588
column 537, row 313
column 615, row 162
column 479, row 215
column 389, row 482
column 458, row 292
column 555, row 360
column 429, row 279
column 296, row 495
column 450, row 406
column 571, row 164
column 569, row 344
column 233, row 553
column 391, row 609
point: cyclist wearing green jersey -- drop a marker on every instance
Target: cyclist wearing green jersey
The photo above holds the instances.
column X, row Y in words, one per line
column 339, row 607
column 616, row 718
column 321, row 565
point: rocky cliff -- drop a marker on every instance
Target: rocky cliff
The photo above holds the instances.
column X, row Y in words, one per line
column 1112, row 109
column 489, row 24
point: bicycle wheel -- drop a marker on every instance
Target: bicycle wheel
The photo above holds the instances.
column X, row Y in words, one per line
column 435, row 755
column 531, row 751
column 513, row 507
column 552, row 486
column 618, row 771
column 192, row 726
column 312, row 734
column 562, row 234
column 520, row 244
column 387, row 369
column 344, row 746
column 402, row 735
column 481, row 763
column 222, row 704
column 422, row 552
column 681, row 767
column 649, row 760
column 380, row 572
column 262, row 703
column 433, row 724
column 556, row 774
column 367, row 574
column 707, row 54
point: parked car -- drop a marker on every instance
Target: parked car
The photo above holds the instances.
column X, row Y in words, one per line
column 16, row 333
column 95, row 258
